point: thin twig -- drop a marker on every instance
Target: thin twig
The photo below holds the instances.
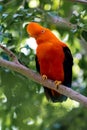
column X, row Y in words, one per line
column 55, row 19
column 59, row 21
column 10, row 54
column 80, row 1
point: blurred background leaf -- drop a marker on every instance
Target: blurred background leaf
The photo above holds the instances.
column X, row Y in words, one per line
column 23, row 105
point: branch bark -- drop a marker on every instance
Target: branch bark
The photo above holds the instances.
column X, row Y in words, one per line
column 59, row 21
column 10, row 54
column 16, row 66
column 48, row 83
column 80, row 1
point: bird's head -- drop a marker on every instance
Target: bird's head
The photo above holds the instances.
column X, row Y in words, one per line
column 35, row 30
column 41, row 34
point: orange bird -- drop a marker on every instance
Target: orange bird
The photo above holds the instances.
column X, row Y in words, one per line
column 53, row 59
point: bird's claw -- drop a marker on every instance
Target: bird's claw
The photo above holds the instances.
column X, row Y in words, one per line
column 57, row 83
column 44, row 77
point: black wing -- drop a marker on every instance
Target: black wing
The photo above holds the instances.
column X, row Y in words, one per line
column 68, row 62
column 46, row 90
column 37, row 64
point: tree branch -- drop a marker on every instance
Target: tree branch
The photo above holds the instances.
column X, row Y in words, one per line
column 10, row 54
column 80, row 1
column 48, row 83
column 59, row 21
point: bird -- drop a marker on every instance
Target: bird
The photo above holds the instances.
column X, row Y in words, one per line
column 53, row 59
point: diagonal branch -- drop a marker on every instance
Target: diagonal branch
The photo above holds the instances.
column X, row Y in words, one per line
column 37, row 78
column 59, row 21
column 48, row 83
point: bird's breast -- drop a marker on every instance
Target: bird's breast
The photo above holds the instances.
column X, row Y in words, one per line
column 51, row 59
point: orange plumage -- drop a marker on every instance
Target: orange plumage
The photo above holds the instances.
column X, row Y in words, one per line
column 53, row 58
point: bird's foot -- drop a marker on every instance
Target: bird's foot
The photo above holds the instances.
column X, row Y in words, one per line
column 57, row 83
column 44, row 77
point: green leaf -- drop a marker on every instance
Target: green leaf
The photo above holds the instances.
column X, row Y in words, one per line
column 84, row 35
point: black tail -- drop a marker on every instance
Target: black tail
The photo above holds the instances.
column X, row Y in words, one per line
column 54, row 96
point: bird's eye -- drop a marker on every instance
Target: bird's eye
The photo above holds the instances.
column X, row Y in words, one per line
column 42, row 31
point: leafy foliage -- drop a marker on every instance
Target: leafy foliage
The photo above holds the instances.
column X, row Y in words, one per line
column 22, row 102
